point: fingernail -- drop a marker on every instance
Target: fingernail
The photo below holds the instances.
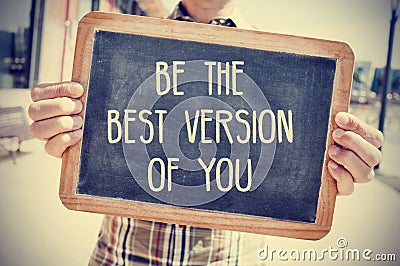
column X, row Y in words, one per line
column 342, row 118
column 35, row 93
column 77, row 133
column 76, row 89
column 77, row 120
column 332, row 165
column 338, row 133
column 334, row 150
column 78, row 106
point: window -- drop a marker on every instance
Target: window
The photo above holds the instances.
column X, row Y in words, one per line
column 20, row 32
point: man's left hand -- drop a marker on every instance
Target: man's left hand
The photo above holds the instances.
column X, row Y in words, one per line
column 355, row 153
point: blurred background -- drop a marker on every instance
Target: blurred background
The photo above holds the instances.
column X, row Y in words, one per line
column 37, row 40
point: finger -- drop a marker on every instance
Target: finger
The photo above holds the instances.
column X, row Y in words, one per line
column 352, row 141
column 344, row 180
column 348, row 121
column 46, row 129
column 360, row 171
column 54, row 107
column 56, row 90
column 58, row 144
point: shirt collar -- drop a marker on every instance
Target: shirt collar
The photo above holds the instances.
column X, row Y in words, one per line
column 235, row 19
column 180, row 13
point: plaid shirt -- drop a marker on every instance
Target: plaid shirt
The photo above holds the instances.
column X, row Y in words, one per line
column 127, row 241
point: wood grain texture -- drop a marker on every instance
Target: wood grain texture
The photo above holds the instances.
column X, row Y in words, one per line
column 214, row 35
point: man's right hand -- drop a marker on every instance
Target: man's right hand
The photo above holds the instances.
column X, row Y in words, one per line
column 55, row 110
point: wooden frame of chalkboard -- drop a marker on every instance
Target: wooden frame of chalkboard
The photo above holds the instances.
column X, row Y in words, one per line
column 125, row 26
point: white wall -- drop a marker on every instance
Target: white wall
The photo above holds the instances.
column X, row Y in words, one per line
column 54, row 29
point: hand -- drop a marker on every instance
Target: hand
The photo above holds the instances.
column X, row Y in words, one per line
column 55, row 110
column 355, row 153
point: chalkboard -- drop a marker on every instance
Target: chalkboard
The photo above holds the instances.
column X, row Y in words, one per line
column 207, row 126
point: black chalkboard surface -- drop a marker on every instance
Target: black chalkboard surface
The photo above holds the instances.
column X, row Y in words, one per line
column 185, row 123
